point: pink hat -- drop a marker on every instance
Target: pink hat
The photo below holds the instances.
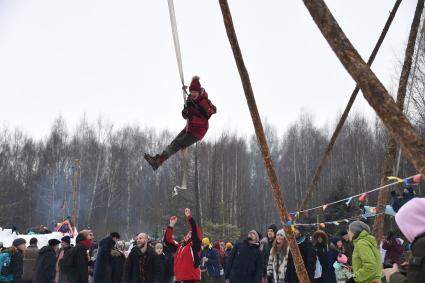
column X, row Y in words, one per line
column 342, row 258
column 411, row 218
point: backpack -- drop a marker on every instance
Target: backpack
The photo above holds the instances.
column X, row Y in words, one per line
column 67, row 263
column 5, row 267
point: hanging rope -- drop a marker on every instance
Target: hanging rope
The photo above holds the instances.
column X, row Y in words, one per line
column 180, row 66
column 315, row 180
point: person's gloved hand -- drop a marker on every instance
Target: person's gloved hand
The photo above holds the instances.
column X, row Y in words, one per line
column 186, row 113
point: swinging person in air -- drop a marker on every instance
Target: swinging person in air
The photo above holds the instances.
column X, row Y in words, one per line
column 197, row 112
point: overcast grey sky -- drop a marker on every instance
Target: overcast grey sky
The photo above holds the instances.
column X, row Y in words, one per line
column 116, row 59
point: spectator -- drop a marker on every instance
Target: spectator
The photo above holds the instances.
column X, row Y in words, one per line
column 245, row 263
column 117, row 262
column 165, row 266
column 278, row 259
column 308, row 254
column 367, row 263
column 348, row 245
column 45, row 267
column 60, row 276
column 394, row 249
column 411, row 221
column 227, row 253
column 271, row 236
column 320, row 243
column 142, row 264
column 30, row 258
column 78, row 257
column 17, row 260
column 187, row 258
column 210, row 266
column 102, row 268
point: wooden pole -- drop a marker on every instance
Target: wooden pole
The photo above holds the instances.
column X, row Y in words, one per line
column 391, row 151
column 400, row 129
column 261, row 137
column 313, row 184
column 75, row 179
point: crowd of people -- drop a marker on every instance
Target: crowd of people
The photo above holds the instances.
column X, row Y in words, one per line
column 353, row 255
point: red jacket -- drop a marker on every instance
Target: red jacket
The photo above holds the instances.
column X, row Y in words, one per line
column 186, row 259
column 197, row 114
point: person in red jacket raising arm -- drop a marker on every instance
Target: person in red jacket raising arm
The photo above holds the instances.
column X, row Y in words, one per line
column 187, row 258
column 197, row 111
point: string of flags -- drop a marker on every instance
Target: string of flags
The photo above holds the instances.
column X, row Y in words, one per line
column 409, row 181
column 322, row 225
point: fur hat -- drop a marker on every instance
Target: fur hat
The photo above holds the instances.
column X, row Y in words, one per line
column 229, row 245
column 206, row 241
column 321, row 234
column 195, row 85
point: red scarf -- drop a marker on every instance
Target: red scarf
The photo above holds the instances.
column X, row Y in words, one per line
column 86, row 243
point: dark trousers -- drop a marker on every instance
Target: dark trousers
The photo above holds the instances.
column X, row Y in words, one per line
column 184, row 139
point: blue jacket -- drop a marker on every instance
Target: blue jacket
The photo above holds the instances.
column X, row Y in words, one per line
column 213, row 264
column 245, row 263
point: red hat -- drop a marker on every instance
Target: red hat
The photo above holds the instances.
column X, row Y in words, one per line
column 195, row 85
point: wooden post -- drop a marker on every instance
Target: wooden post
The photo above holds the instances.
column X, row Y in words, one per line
column 391, row 151
column 400, row 129
column 261, row 137
column 327, row 153
column 75, row 181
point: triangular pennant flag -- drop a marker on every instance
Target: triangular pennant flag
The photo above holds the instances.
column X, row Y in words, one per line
column 395, row 179
column 347, row 203
column 324, row 207
column 417, row 178
column 346, row 220
column 336, row 223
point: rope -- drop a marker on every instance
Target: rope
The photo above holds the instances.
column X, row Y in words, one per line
column 176, row 43
column 351, row 197
column 180, row 66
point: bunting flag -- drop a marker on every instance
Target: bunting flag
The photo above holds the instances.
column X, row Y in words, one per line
column 362, row 196
column 336, row 223
column 348, row 201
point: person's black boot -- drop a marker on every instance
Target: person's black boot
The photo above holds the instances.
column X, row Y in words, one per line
column 154, row 161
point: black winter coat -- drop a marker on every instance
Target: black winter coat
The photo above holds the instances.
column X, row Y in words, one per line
column 132, row 271
column 245, row 263
column 80, row 273
column 266, row 254
column 309, row 257
column 45, row 266
column 322, row 254
column 165, row 268
column 17, row 263
column 103, row 260
column 333, row 253
column 116, row 267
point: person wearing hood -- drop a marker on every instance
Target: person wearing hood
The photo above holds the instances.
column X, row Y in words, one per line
column 210, row 262
column 411, row 221
column 197, row 112
column 245, row 263
column 102, row 268
column 187, row 257
column 278, row 259
column 347, row 244
column 227, row 253
column 367, row 261
column 80, row 259
column 308, row 254
column 271, row 236
column 320, row 243
column 45, row 266
column 30, row 258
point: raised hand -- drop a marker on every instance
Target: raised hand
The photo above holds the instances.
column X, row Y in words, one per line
column 173, row 220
